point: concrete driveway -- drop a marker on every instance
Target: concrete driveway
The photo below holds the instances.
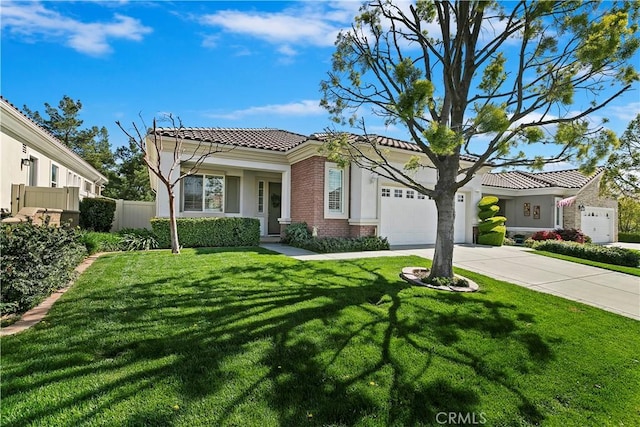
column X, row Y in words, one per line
column 612, row 291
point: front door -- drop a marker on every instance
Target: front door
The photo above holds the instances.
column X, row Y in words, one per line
column 275, row 193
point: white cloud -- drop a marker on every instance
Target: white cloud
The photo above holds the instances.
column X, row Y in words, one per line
column 626, row 112
column 309, row 107
column 558, row 166
column 34, row 21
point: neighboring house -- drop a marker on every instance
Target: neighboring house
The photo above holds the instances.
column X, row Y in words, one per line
column 548, row 200
column 33, row 157
column 281, row 178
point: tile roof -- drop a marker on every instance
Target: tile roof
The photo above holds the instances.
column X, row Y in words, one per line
column 265, row 138
column 388, row 142
column 520, row 180
column 276, row 139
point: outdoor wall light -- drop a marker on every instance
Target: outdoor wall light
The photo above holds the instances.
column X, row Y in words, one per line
column 24, row 162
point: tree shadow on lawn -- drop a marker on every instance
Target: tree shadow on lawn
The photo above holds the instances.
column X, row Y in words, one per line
column 324, row 345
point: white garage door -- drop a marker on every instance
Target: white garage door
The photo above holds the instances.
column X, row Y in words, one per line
column 597, row 223
column 407, row 217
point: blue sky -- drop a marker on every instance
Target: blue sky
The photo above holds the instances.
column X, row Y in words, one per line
column 218, row 64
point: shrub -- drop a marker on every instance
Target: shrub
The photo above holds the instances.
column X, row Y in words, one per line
column 508, row 242
column 100, row 242
column 137, row 239
column 36, row 260
column 209, row 232
column 342, row 244
column 609, row 255
column 97, row 214
column 572, row 235
column 491, row 228
column 296, row 233
column 545, row 235
column 629, row 237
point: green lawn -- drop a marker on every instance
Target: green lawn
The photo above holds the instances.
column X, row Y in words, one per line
column 635, row 271
column 249, row 338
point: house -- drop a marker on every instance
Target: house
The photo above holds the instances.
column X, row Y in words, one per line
column 33, row 157
column 280, row 177
column 560, row 199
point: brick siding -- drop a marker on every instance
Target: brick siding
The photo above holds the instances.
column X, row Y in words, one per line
column 307, row 201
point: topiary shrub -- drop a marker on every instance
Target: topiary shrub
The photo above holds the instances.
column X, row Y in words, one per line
column 491, row 228
column 97, row 214
column 36, row 260
column 209, row 232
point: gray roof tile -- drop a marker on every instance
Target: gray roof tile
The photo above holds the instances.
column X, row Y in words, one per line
column 520, row 180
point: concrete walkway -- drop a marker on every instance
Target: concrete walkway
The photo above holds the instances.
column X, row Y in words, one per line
column 612, row 291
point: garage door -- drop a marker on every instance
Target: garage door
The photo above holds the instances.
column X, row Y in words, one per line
column 597, row 223
column 407, row 217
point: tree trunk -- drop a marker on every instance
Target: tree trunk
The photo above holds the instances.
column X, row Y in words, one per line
column 443, row 256
column 173, row 226
column 445, row 204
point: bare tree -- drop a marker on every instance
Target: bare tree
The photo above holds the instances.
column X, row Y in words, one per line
column 439, row 69
column 153, row 142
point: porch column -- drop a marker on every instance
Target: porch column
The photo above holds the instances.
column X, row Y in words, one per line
column 285, row 197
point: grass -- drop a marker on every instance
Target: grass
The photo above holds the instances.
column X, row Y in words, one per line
column 634, row 271
column 249, row 338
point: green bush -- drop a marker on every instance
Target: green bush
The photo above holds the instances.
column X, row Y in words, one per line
column 137, row 239
column 629, row 237
column 488, row 212
column 487, row 201
column 490, row 223
column 100, row 242
column 97, row 214
column 491, row 229
column 36, row 260
column 342, row 244
column 609, row 255
column 493, row 238
column 208, row 232
column 296, row 233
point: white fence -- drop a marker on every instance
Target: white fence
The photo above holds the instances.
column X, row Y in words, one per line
column 133, row 214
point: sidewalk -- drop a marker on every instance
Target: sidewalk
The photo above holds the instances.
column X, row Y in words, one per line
column 612, row 291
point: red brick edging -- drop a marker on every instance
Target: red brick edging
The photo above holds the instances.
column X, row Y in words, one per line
column 36, row 314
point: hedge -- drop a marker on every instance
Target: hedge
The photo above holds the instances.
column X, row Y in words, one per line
column 36, row 261
column 97, row 214
column 208, row 232
column 344, row 244
column 629, row 237
column 299, row 235
column 609, row 255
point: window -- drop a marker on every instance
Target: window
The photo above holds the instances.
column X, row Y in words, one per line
column 335, row 190
column 386, row 192
column 211, row 193
column 410, row 194
column 87, row 186
column 232, row 194
column 54, row 176
column 260, row 196
column 397, row 192
column 460, row 198
column 70, row 180
column 421, row 196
